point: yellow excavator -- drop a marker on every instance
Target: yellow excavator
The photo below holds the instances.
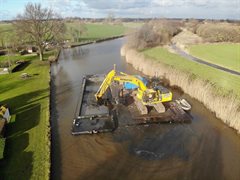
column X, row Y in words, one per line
column 144, row 96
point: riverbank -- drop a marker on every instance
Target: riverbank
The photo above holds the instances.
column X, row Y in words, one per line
column 226, row 107
column 94, row 41
column 27, row 150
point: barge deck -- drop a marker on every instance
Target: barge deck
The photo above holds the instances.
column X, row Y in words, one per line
column 94, row 118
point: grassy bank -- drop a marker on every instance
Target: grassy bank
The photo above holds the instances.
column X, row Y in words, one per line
column 226, row 55
column 27, row 150
column 223, row 81
column 16, row 57
column 96, row 31
column 6, row 31
column 199, row 85
column 92, row 32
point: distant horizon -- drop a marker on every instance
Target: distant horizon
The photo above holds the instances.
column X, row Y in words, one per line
column 134, row 9
column 133, row 19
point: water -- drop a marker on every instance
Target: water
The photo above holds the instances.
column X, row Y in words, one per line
column 203, row 149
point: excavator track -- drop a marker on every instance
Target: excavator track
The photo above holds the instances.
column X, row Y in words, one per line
column 142, row 108
column 159, row 107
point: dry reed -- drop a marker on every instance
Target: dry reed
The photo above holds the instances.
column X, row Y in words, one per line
column 226, row 107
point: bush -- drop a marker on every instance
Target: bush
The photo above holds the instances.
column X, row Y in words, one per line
column 144, row 37
column 157, row 32
column 219, row 32
column 6, row 63
column 52, row 58
column 192, row 25
column 2, row 146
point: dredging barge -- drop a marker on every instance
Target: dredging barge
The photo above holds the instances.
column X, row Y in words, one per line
column 102, row 99
column 92, row 117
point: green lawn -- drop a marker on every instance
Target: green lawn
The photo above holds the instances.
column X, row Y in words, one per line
column 27, row 150
column 94, row 31
column 5, row 26
column 97, row 31
column 6, row 30
column 16, row 57
column 227, row 55
column 226, row 81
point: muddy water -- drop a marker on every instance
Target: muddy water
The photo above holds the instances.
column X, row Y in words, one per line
column 203, row 149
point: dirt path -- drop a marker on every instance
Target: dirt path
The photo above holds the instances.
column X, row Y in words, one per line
column 192, row 58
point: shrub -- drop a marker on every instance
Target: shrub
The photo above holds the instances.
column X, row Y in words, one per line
column 144, row 37
column 219, row 32
column 6, row 63
column 192, row 25
column 52, row 58
column 156, row 32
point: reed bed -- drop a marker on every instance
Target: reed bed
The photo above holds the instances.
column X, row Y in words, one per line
column 225, row 106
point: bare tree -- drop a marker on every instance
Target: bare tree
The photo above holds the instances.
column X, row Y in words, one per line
column 39, row 26
column 77, row 31
column 110, row 17
column 154, row 33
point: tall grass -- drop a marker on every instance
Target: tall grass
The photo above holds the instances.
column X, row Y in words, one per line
column 226, row 107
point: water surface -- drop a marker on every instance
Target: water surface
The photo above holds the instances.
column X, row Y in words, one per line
column 203, row 149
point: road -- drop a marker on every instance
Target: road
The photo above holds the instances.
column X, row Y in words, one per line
column 192, row 58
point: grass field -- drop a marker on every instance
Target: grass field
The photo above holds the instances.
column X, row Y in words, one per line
column 227, row 55
column 5, row 26
column 226, row 82
column 6, row 31
column 16, row 57
column 27, row 152
column 12, row 59
column 95, row 31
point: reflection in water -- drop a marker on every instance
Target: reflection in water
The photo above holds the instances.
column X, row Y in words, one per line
column 203, row 149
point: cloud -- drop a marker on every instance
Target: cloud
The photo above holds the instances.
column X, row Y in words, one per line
column 116, row 4
column 159, row 8
column 140, row 8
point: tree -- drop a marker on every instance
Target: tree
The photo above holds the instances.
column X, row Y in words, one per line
column 77, row 31
column 110, row 17
column 39, row 26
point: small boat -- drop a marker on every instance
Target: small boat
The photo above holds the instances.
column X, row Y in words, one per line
column 184, row 104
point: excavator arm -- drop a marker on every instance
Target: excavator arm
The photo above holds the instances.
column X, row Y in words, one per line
column 151, row 97
column 105, row 84
column 111, row 76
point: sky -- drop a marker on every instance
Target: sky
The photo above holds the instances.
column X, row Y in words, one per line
column 206, row 9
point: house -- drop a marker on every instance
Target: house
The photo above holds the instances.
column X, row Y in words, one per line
column 31, row 49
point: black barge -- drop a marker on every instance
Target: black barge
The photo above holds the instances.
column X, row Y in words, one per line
column 93, row 118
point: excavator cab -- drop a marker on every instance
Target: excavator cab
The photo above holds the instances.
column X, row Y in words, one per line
column 149, row 97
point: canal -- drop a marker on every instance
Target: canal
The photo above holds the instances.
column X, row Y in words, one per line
column 202, row 149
